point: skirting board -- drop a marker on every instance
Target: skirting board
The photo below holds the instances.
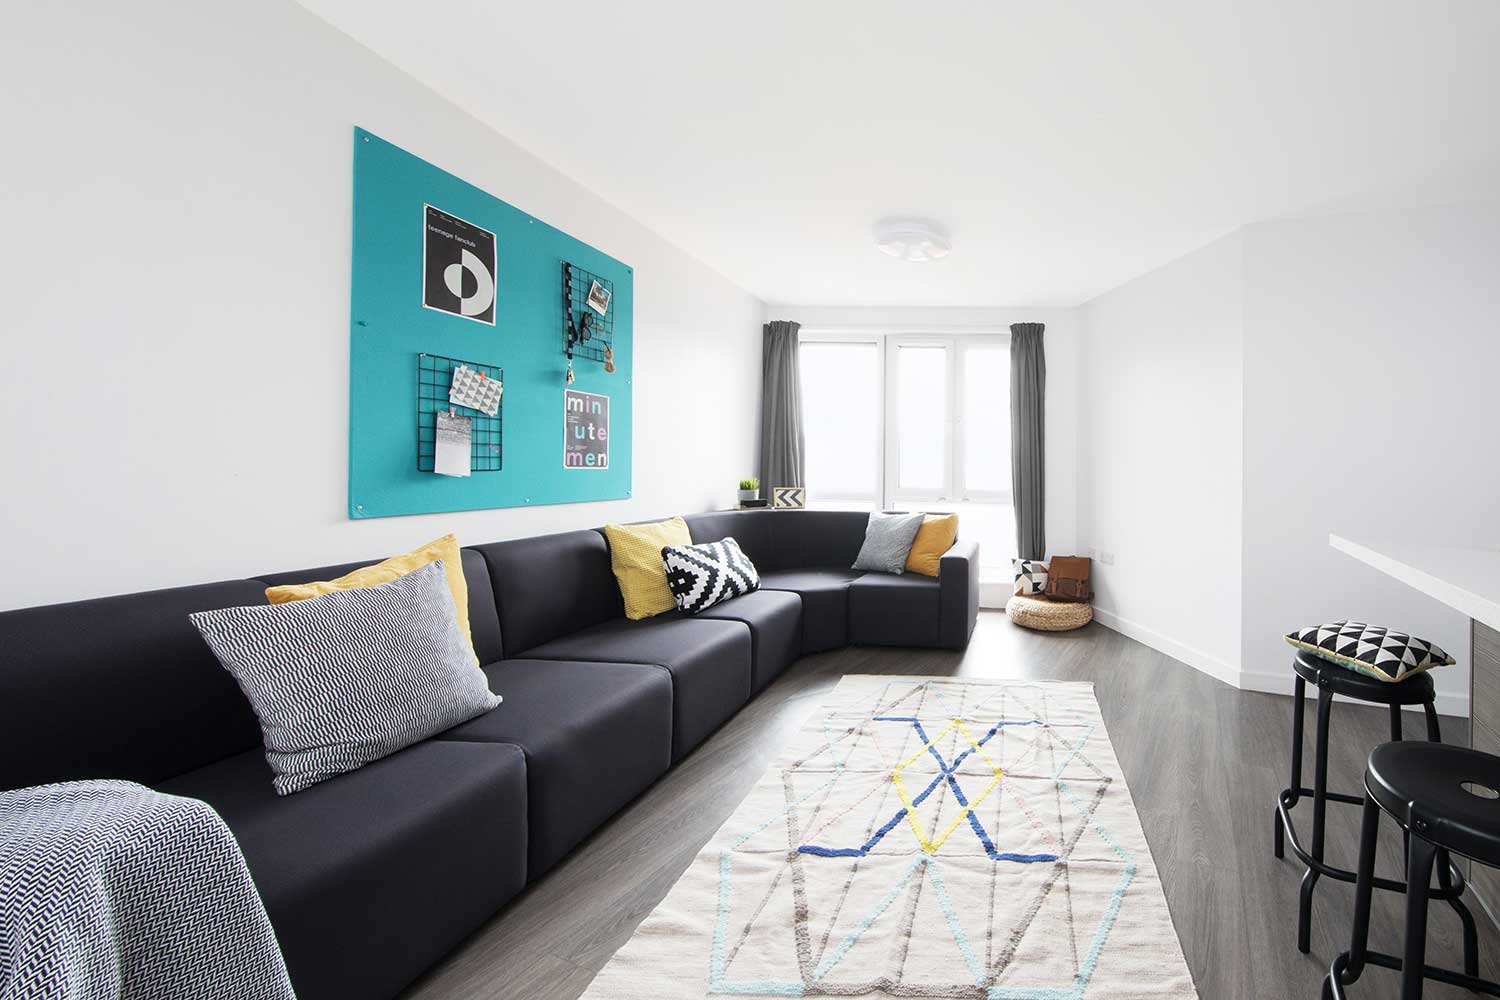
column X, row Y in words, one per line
column 1196, row 658
column 1280, row 682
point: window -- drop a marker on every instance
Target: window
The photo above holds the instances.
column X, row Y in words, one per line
column 912, row 422
column 841, row 393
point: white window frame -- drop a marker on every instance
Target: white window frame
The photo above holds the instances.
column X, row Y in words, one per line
column 886, row 492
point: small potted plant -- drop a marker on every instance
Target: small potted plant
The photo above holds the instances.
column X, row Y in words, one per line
column 749, row 489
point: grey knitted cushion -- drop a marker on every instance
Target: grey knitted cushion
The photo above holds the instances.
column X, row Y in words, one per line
column 344, row 679
column 888, row 539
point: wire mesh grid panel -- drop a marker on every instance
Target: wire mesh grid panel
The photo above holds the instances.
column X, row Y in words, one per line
column 434, row 379
column 585, row 331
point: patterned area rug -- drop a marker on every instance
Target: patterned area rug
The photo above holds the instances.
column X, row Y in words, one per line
column 922, row 838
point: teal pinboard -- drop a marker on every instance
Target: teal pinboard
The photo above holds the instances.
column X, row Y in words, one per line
column 389, row 328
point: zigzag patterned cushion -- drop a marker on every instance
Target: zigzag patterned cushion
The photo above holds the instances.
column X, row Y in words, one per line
column 1371, row 650
column 1031, row 576
column 344, row 679
column 704, row 575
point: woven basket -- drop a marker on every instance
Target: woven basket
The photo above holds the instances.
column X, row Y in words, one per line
column 1048, row 616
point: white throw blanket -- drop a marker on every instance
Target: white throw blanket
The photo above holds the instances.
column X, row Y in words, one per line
column 111, row 891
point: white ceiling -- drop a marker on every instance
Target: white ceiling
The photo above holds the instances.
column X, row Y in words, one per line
column 1067, row 146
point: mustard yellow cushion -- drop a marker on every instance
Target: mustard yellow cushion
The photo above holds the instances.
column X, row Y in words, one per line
column 635, row 556
column 934, row 537
column 445, row 548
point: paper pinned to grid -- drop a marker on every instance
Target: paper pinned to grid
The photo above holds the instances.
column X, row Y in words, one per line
column 475, row 390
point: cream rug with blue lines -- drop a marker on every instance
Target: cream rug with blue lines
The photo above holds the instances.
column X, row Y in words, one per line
column 922, row 838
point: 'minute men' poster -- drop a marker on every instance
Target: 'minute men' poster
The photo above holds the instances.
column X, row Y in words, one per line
column 585, row 430
column 458, row 266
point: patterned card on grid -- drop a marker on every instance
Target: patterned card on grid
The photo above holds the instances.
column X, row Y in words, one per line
column 475, row 390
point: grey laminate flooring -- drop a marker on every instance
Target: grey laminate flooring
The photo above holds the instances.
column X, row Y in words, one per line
column 1203, row 762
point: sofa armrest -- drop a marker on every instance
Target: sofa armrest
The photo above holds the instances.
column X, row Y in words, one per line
column 958, row 594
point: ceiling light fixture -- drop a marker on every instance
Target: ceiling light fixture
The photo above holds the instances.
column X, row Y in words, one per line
column 912, row 239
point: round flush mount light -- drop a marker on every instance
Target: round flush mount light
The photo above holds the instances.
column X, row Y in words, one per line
column 912, row 239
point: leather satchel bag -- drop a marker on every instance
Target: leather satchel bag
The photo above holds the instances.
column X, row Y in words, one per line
column 1068, row 579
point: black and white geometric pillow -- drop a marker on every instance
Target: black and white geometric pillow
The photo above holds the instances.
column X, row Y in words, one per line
column 344, row 679
column 701, row 576
column 1031, row 575
column 1371, row 650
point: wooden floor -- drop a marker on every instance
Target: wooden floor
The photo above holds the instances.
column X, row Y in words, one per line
column 1204, row 763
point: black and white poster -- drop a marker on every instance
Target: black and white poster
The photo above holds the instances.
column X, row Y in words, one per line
column 585, row 430
column 458, row 266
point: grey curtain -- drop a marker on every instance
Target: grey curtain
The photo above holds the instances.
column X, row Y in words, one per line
column 1028, row 397
column 781, row 451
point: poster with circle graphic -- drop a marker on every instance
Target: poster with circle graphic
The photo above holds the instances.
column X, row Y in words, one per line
column 458, row 266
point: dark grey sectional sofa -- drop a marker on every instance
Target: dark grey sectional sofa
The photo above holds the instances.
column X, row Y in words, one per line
column 372, row 876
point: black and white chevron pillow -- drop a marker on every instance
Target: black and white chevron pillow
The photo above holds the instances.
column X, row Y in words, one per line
column 344, row 679
column 1371, row 650
column 701, row 576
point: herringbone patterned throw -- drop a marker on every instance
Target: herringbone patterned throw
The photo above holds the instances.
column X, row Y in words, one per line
column 111, row 890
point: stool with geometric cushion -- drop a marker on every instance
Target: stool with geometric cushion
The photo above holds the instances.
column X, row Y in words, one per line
column 1445, row 799
column 1331, row 679
column 1037, row 612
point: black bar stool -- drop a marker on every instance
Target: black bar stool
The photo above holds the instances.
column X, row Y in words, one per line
column 1445, row 799
column 1332, row 679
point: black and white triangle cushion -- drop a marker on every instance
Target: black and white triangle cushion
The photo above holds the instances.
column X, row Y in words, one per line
column 701, row 576
column 1377, row 652
column 1031, row 576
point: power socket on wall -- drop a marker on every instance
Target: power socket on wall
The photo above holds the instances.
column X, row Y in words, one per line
column 1106, row 557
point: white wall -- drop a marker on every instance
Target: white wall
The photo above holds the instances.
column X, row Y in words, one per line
column 176, row 197
column 1333, row 373
column 1061, row 343
column 1372, row 368
column 1159, row 457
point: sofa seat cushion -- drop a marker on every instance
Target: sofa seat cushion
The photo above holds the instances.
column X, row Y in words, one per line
column 825, row 603
column 890, row 610
column 709, row 661
column 775, row 620
column 595, row 736
column 372, row 876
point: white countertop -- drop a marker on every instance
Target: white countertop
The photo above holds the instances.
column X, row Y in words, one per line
column 1461, row 577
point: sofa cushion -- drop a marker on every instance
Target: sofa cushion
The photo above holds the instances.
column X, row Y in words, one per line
column 350, row 676
column 775, row 620
column 890, row 610
column 372, row 876
column 825, row 603
column 484, row 623
column 888, row 539
column 549, row 586
column 635, row 555
column 708, row 573
column 816, row 538
column 119, row 687
column 595, row 736
column 709, row 661
column 750, row 528
column 387, row 570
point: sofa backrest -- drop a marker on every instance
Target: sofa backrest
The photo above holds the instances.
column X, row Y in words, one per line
column 550, row 586
column 751, row 529
column 484, row 623
column 816, row 538
column 119, row 687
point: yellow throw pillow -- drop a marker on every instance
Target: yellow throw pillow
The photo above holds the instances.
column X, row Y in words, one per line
column 934, row 537
column 445, row 548
column 635, row 556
